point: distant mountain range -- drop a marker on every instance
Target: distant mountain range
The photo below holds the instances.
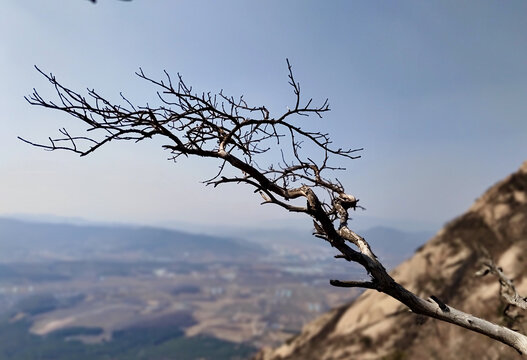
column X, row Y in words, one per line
column 24, row 241
column 47, row 239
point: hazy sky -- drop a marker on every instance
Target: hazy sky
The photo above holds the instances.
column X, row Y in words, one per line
column 434, row 91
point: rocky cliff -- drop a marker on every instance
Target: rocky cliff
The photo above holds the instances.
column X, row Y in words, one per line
column 377, row 327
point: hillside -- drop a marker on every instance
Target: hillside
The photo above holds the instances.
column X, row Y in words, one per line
column 378, row 327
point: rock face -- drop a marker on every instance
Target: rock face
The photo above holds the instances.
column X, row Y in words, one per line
column 377, row 327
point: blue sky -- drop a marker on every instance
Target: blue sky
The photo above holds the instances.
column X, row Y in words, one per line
column 434, row 91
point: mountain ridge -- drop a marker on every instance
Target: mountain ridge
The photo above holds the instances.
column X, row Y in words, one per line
column 24, row 241
column 376, row 326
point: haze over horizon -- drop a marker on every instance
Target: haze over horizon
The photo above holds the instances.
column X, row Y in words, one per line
column 434, row 92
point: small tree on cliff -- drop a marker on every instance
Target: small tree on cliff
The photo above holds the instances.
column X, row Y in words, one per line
column 237, row 134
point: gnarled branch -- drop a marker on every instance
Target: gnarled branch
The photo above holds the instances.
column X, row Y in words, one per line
column 238, row 135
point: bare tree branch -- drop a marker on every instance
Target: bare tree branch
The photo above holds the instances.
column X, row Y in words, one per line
column 238, row 135
column 352, row 284
column 507, row 288
column 515, row 302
